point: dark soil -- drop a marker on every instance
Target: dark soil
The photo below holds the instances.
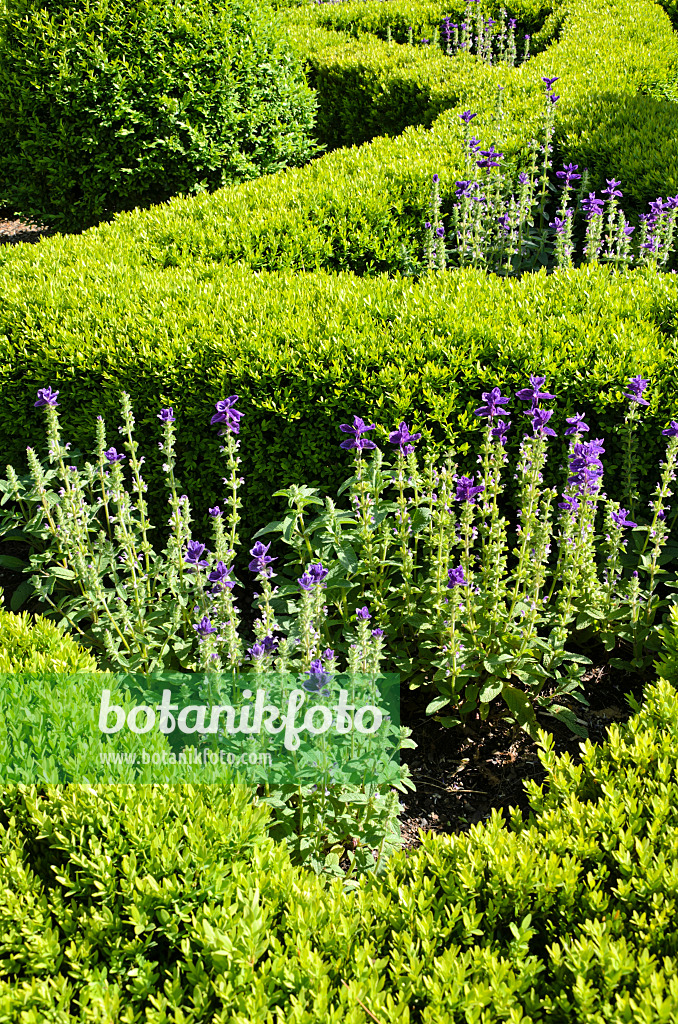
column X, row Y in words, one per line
column 461, row 774
column 13, row 231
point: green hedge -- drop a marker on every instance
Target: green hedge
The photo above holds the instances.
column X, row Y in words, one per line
column 32, row 644
column 145, row 903
column 106, row 107
column 355, row 209
column 307, row 352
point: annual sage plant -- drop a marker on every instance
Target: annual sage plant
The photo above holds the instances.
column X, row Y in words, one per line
column 479, row 607
column 417, row 571
column 502, row 223
column 142, row 611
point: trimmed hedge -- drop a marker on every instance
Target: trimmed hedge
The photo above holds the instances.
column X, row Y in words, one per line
column 131, row 904
column 33, row 644
column 106, row 106
column 307, row 352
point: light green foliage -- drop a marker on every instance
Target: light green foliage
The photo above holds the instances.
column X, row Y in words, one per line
column 33, row 644
column 106, row 106
column 130, row 904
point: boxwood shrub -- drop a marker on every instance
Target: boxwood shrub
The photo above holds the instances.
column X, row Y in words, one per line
column 106, row 106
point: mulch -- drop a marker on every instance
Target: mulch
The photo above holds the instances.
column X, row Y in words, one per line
column 462, row 774
column 13, row 231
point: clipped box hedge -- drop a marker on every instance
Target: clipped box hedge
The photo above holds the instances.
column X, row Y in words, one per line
column 355, row 209
column 129, row 904
column 307, row 352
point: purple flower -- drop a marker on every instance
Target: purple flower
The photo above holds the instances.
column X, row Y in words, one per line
column 585, row 465
column 467, row 116
column 553, row 98
column 523, row 178
column 318, row 678
column 317, row 572
column 270, row 644
column 306, row 582
column 491, row 158
column 549, row 82
column 220, row 575
column 257, row 651
column 328, row 654
column 362, row 613
column 113, row 456
column 570, row 504
column 194, row 552
column 377, row 633
column 46, row 397
column 559, row 224
column 500, row 431
column 214, row 512
column 671, row 431
column 577, row 424
column 474, row 145
column 540, row 418
column 464, row 189
column 493, row 400
column 259, row 557
column 359, row 427
column 166, row 415
column 611, row 190
column 228, row 414
column 637, row 385
column 465, row 489
column 403, row 437
column 456, row 578
column 568, row 174
column 592, row 207
column 620, row 518
column 512, row 22
column 440, row 232
column 436, row 179
column 204, row 628
column 533, row 394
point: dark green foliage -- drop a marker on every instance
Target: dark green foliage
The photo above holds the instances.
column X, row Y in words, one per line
column 105, row 105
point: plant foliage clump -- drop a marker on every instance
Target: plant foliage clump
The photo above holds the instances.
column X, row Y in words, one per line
column 107, row 106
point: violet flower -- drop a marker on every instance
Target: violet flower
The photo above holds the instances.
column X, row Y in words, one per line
column 359, row 427
column 46, row 397
column 577, row 424
column 362, row 613
column 166, row 415
column 533, row 394
column 456, row 578
column 620, row 518
column 228, row 414
column 113, row 456
column 540, row 418
column 403, row 437
column 500, row 431
column 220, row 575
column 671, row 431
column 193, row 554
column 204, row 628
column 637, row 385
column 260, row 559
column 466, row 491
column 493, row 400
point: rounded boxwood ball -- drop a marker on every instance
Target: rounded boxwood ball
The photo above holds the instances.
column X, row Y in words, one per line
column 108, row 105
